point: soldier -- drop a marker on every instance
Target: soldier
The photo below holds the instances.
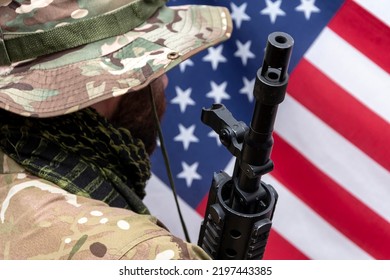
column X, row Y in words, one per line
column 76, row 81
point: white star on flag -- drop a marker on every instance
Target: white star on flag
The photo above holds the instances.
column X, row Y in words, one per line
column 238, row 14
column 189, row 173
column 244, row 52
column 215, row 56
column 248, row 88
column 218, row 92
column 273, row 10
column 186, row 136
column 307, row 7
column 183, row 98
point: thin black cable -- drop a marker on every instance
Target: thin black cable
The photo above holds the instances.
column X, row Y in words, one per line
column 167, row 165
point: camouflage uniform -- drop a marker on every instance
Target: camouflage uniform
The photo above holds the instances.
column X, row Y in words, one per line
column 39, row 220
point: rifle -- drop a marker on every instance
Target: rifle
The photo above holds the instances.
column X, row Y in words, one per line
column 240, row 207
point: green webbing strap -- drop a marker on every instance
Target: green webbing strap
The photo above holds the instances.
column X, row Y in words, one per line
column 22, row 46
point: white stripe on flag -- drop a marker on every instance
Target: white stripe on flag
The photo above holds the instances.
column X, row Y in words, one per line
column 353, row 71
column 161, row 204
column 378, row 8
column 309, row 233
column 335, row 156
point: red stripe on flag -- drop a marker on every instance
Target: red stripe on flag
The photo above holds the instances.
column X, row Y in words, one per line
column 201, row 208
column 279, row 248
column 365, row 32
column 345, row 114
column 346, row 213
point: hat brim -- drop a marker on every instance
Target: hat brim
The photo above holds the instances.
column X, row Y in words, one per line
column 68, row 81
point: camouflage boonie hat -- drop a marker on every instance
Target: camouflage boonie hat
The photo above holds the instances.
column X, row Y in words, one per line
column 58, row 56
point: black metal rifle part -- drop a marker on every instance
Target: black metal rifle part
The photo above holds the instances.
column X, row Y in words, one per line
column 240, row 207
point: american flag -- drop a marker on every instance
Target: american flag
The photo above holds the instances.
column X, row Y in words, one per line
column 332, row 132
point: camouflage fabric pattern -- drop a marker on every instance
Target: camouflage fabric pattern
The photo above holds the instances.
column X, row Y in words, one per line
column 38, row 220
column 67, row 81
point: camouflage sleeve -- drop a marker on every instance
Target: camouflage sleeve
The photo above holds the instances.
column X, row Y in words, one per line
column 166, row 247
column 38, row 220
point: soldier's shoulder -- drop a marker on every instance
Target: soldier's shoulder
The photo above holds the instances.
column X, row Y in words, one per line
column 52, row 223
